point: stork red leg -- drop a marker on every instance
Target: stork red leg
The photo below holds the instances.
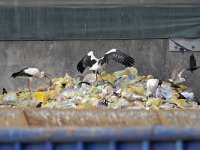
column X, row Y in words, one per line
column 30, row 87
column 96, row 78
column 96, row 75
column 101, row 76
column 48, row 77
column 106, row 80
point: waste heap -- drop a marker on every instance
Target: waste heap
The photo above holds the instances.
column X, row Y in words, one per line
column 123, row 89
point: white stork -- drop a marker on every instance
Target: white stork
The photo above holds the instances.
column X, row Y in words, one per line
column 151, row 86
column 98, row 65
column 30, row 74
column 176, row 76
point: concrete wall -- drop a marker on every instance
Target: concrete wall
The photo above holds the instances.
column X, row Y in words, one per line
column 59, row 57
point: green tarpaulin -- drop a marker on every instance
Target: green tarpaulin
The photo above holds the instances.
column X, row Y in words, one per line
column 99, row 22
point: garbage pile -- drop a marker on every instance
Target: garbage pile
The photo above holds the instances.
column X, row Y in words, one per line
column 123, row 89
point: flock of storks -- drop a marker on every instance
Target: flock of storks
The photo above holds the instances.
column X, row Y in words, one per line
column 98, row 65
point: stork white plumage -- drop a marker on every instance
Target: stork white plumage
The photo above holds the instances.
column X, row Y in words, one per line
column 98, row 65
column 176, row 76
column 30, row 74
column 151, row 86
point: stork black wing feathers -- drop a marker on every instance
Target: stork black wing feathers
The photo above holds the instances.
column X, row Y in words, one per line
column 21, row 73
column 192, row 61
column 193, row 65
column 119, row 57
column 4, row 91
column 84, row 63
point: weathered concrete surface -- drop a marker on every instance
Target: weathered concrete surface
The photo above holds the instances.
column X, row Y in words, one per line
column 90, row 118
column 12, row 118
column 63, row 118
column 59, row 57
column 179, row 118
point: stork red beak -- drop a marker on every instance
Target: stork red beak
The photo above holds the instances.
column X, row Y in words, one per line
column 48, row 76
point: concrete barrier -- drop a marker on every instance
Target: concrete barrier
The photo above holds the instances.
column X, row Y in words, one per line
column 64, row 118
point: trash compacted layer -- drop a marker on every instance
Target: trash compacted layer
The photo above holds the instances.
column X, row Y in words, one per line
column 123, row 89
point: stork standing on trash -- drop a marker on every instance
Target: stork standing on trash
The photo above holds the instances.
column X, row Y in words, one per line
column 30, row 74
column 151, row 86
column 98, row 65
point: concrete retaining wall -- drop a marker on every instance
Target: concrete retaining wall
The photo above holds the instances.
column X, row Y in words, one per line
column 54, row 118
column 59, row 57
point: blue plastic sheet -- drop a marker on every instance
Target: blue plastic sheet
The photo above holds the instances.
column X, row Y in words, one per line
column 149, row 138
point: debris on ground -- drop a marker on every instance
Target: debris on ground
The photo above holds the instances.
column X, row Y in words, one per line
column 123, row 89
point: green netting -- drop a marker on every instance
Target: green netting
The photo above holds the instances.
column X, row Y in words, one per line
column 99, row 22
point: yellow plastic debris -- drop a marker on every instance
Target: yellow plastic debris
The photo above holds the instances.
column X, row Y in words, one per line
column 181, row 103
column 149, row 77
column 57, row 80
column 192, row 104
column 118, row 74
column 24, row 96
column 54, row 93
column 91, row 103
column 140, row 78
column 109, row 77
column 42, row 96
column 68, row 83
column 131, row 71
column 119, row 103
column 62, row 82
column 112, row 99
column 126, row 91
column 94, row 90
column 138, row 90
column 86, row 106
column 123, row 82
column 129, row 92
column 182, row 88
column 166, row 83
column 154, row 103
